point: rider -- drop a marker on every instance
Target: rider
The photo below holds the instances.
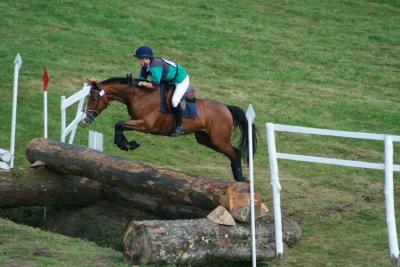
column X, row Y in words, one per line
column 164, row 71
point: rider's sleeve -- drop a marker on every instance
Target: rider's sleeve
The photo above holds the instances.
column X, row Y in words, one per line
column 143, row 74
column 156, row 73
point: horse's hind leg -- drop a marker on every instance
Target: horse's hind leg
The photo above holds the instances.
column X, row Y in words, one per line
column 236, row 166
column 225, row 148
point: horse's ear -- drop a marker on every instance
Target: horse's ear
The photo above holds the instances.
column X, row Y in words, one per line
column 130, row 79
column 90, row 82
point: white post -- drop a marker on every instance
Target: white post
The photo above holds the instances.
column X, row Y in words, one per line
column 390, row 216
column 276, row 188
column 45, row 113
column 96, row 140
column 250, row 118
column 17, row 66
column 63, row 120
column 79, row 113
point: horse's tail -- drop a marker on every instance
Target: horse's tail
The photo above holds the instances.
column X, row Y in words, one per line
column 240, row 125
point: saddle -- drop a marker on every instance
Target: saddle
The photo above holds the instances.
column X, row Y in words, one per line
column 188, row 101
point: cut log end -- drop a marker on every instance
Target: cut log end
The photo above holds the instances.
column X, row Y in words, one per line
column 221, row 216
column 137, row 243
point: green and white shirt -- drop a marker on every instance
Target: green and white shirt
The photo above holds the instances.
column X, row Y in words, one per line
column 162, row 70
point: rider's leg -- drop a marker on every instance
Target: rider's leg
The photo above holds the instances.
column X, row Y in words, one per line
column 180, row 90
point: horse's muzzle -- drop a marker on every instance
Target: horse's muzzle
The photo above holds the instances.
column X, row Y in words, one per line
column 89, row 116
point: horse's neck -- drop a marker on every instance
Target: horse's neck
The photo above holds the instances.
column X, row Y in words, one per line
column 119, row 93
column 138, row 100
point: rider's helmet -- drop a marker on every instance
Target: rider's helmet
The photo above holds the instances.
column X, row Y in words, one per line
column 144, row 52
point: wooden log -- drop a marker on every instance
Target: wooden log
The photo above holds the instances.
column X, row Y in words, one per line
column 187, row 242
column 169, row 186
column 221, row 216
column 151, row 203
column 39, row 187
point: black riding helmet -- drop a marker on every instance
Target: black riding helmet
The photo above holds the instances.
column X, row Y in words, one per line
column 144, row 52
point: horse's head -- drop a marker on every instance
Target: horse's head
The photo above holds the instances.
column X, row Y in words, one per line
column 97, row 102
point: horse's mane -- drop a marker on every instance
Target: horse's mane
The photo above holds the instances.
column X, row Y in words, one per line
column 125, row 80
column 116, row 79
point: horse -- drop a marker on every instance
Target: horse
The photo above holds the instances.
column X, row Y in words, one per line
column 213, row 127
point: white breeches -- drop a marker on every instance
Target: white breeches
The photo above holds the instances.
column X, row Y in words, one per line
column 180, row 90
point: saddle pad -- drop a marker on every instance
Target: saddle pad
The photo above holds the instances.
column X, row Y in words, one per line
column 190, row 110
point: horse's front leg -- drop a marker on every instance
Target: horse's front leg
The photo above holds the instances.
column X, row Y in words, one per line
column 119, row 137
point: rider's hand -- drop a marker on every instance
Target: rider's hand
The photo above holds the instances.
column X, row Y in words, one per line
column 146, row 84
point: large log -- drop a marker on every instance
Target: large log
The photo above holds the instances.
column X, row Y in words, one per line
column 166, row 186
column 39, row 187
column 151, row 203
column 188, row 242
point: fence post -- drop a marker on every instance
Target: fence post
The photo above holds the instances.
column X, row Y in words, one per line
column 96, row 140
column 65, row 103
column 250, row 115
column 17, row 66
column 276, row 188
column 390, row 216
column 63, row 120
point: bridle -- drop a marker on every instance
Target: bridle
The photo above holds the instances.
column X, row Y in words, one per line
column 92, row 113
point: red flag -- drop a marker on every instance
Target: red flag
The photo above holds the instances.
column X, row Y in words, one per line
column 45, row 79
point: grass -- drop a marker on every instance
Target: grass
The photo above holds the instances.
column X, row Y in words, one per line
column 329, row 64
column 27, row 246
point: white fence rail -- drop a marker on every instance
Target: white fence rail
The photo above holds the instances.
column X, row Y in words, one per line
column 387, row 166
column 65, row 103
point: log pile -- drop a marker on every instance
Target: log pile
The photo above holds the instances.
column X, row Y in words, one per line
column 79, row 176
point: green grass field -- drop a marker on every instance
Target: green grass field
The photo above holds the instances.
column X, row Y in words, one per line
column 328, row 64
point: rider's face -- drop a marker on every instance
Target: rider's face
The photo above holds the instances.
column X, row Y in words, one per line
column 144, row 62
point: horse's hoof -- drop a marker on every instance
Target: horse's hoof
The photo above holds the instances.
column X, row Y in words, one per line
column 133, row 145
column 125, row 148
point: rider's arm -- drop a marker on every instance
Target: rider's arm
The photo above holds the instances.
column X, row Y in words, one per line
column 156, row 73
column 143, row 74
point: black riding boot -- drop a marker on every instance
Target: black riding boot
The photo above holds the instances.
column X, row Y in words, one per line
column 177, row 112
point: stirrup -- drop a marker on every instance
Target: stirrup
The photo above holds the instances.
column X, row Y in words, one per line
column 178, row 131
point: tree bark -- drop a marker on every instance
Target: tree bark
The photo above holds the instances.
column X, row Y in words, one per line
column 40, row 187
column 164, row 185
column 200, row 241
column 151, row 203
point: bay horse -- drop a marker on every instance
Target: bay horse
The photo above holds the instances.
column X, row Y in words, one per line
column 213, row 127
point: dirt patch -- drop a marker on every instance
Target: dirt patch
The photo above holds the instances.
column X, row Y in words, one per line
column 103, row 223
column 337, row 209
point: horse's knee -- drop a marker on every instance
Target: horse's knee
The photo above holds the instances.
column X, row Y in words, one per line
column 119, row 126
